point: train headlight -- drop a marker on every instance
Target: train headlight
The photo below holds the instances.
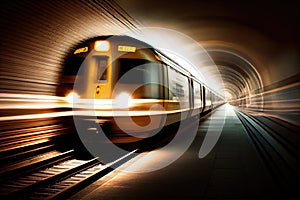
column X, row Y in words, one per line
column 123, row 100
column 101, row 45
column 72, row 96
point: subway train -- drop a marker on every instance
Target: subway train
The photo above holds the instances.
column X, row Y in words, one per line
column 131, row 87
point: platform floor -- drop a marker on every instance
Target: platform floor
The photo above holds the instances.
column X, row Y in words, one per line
column 232, row 170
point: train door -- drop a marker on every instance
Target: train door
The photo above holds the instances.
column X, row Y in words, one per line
column 103, row 81
column 203, row 98
column 165, row 88
column 101, row 70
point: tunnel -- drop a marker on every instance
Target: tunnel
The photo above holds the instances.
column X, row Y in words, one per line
column 253, row 48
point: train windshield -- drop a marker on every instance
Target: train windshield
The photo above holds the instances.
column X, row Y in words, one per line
column 132, row 71
column 72, row 66
column 141, row 76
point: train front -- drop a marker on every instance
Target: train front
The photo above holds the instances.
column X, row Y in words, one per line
column 116, row 84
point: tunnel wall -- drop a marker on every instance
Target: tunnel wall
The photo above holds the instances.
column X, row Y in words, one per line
column 35, row 36
column 275, row 63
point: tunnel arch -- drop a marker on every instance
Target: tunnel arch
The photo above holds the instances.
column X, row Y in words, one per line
column 242, row 82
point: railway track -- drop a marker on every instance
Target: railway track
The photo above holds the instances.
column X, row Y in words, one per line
column 53, row 175
column 38, row 161
column 46, row 169
column 277, row 143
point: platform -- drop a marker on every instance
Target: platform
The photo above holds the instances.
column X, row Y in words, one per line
column 232, row 170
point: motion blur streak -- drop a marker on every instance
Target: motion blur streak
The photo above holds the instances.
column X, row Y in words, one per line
column 37, row 116
column 35, row 36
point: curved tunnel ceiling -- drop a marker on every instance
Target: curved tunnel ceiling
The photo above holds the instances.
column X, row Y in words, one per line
column 240, row 77
column 36, row 36
column 254, row 44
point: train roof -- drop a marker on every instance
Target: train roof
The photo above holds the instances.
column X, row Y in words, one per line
column 115, row 38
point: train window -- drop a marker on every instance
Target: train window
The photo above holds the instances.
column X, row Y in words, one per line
column 197, row 94
column 208, row 98
column 178, row 88
column 131, row 71
column 72, row 66
column 102, row 68
column 143, row 75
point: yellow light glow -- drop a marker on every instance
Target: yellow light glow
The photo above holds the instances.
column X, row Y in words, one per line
column 101, row 45
column 123, row 100
column 72, row 96
column 81, row 50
